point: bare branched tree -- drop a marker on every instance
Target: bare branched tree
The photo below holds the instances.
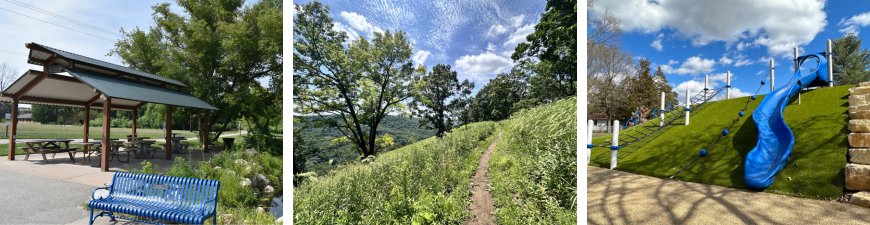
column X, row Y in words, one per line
column 7, row 76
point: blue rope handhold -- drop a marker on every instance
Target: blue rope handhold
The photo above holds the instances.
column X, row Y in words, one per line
column 753, row 97
column 724, row 132
column 703, row 152
column 590, row 145
column 727, row 86
column 614, row 147
column 706, row 89
column 688, row 109
column 762, row 82
column 740, row 113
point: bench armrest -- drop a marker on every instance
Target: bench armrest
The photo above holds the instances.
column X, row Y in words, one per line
column 95, row 191
column 205, row 205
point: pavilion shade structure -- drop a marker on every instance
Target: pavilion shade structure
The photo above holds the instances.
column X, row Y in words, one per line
column 121, row 90
column 41, row 54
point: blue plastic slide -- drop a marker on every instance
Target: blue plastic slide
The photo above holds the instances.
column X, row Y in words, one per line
column 775, row 139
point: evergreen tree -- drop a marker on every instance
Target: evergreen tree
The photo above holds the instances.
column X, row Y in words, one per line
column 663, row 86
column 850, row 61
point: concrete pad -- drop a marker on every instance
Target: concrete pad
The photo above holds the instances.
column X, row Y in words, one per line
column 97, row 179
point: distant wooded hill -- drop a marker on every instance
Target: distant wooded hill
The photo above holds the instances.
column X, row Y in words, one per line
column 404, row 131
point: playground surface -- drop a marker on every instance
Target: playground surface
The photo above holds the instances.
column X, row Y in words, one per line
column 616, row 197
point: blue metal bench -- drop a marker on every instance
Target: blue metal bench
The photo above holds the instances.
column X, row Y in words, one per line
column 174, row 199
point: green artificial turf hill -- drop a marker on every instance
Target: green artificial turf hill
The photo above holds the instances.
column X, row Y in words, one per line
column 816, row 168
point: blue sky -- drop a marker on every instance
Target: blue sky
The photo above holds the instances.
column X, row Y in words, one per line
column 475, row 38
column 690, row 39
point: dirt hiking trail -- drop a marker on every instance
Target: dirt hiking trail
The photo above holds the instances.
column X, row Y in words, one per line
column 481, row 202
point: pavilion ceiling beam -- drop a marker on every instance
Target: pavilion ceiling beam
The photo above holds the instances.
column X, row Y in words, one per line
column 140, row 105
column 69, row 102
column 29, row 86
column 55, row 76
column 94, row 99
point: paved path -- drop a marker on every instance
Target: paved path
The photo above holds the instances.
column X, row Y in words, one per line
column 6, row 140
column 616, row 197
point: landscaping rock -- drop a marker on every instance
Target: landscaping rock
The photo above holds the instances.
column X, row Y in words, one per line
column 217, row 168
column 858, row 99
column 246, row 182
column 861, row 199
column 859, row 126
column 864, row 84
column 859, row 140
column 233, row 172
column 261, row 179
column 859, row 90
column 858, row 177
column 280, row 219
column 228, row 218
column 859, row 115
column 269, row 190
column 261, row 210
column 858, row 108
column 860, row 155
column 241, row 162
column 252, row 152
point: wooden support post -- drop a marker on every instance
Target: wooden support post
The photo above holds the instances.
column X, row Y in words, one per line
column 107, row 121
column 87, row 126
column 168, row 132
column 135, row 114
column 205, row 129
column 14, row 124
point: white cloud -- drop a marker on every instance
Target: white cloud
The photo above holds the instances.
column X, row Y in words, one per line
column 517, row 20
column 490, row 47
column 351, row 34
column 725, row 60
column 507, row 53
column 481, row 67
column 360, row 23
column 693, row 65
column 694, row 87
column 657, row 44
column 852, row 24
column 771, row 23
column 421, row 56
column 672, row 62
column 743, row 62
column 497, row 29
column 519, row 35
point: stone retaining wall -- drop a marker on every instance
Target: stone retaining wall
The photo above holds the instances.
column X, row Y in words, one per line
column 858, row 167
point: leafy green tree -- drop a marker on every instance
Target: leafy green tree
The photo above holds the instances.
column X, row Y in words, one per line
column 221, row 50
column 850, row 61
column 554, row 43
column 438, row 99
column 359, row 83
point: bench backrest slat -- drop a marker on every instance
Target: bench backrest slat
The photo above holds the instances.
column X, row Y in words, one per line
column 176, row 193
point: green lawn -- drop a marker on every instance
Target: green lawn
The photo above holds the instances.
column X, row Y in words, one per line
column 35, row 131
column 815, row 169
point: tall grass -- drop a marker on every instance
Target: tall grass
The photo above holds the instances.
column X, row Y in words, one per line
column 533, row 167
column 423, row 183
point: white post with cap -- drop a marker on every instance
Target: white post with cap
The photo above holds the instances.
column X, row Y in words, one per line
column 614, row 145
column 688, row 106
column 662, row 111
column 706, row 77
column 771, row 74
column 830, row 65
column 728, row 85
column 589, row 141
column 795, row 71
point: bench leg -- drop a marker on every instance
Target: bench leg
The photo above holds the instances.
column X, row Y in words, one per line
column 72, row 157
column 92, row 218
column 53, row 155
column 26, row 155
column 44, row 158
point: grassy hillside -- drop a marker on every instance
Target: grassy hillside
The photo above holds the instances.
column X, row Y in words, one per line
column 425, row 182
column 816, row 165
column 533, row 169
column 404, row 131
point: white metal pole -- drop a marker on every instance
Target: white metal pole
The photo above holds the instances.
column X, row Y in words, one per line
column 771, row 74
column 795, row 71
column 614, row 146
column 662, row 111
column 706, row 77
column 728, row 85
column 688, row 106
column 830, row 65
column 589, row 142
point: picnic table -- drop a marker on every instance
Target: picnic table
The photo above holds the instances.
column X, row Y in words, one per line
column 95, row 149
column 143, row 148
column 45, row 146
column 177, row 146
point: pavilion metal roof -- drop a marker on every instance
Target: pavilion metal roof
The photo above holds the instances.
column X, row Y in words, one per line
column 39, row 54
column 117, row 88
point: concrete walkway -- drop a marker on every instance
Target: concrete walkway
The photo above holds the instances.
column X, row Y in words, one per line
column 37, row 193
column 616, row 197
column 6, row 140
